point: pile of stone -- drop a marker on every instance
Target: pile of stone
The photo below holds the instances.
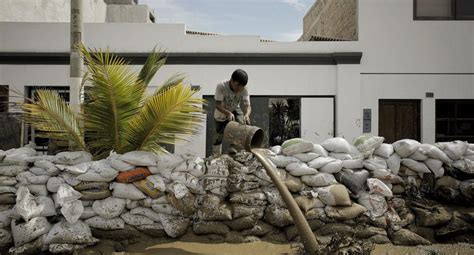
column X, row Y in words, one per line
column 370, row 190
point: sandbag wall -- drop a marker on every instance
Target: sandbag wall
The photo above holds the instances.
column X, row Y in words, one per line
column 65, row 202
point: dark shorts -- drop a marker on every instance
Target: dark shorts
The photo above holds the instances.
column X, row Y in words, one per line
column 220, row 126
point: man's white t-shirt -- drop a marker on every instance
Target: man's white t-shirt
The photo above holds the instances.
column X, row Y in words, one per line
column 230, row 99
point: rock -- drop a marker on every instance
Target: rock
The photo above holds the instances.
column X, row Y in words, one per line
column 128, row 233
column 363, row 231
column 292, row 231
column 379, row 239
column 155, row 230
column 456, row 226
column 210, row 227
column 344, row 212
column 278, row 216
column 408, row 238
column 339, row 228
column 234, row 237
column 431, row 216
column 259, row 229
column 243, row 223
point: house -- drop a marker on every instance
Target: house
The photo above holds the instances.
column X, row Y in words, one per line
column 408, row 72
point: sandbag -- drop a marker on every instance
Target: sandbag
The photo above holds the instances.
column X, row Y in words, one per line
column 87, row 213
column 393, row 163
column 210, row 227
column 72, row 211
column 435, row 153
column 319, row 180
column 53, row 184
column 157, row 181
column 332, row 167
column 119, row 164
column 166, row 209
column 404, row 148
column 6, row 218
column 147, row 212
column 355, row 181
column 28, row 231
column 168, row 161
column 41, row 171
column 281, row 161
column 140, row 158
column 66, row 194
column 127, row 191
column 12, row 170
column 72, row 157
column 273, row 196
column 91, row 195
column 385, row 150
column 7, row 189
column 136, row 220
column 465, row 165
column 276, row 149
column 306, row 157
column 242, row 210
column 77, row 169
column 97, row 186
column 26, row 205
column 38, row 189
column 336, row 144
column 148, row 188
column 256, row 197
column 277, row 216
column 386, row 176
column 187, row 179
column 109, row 208
column 295, row 146
column 7, row 181
column 134, row 175
column 99, row 171
column 436, row 166
column 353, row 163
column 106, row 224
column 7, row 199
column 365, row 143
column 376, row 186
column 419, row 155
column 5, row 237
column 374, row 163
column 344, row 212
column 220, row 213
column 184, row 204
column 376, row 204
column 318, row 149
column 174, row 226
column 308, row 203
column 455, row 150
column 242, row 186
column 333, row 195
column 43, row 163
column 300, row 169
column 340, row 156
column 66, row 233
column 217, row 167
column 416, row 166
column 26, row 178
column 293, row 184
column 320, row 162
column 213, row 182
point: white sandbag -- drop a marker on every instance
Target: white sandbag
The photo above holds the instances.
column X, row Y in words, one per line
column 340, row 156
column 69, row 178
column 53, row 184
column 109, row 208
column 67, row 233
column 53, row 171
column 435, row 166
column 333, row 195
column 375, row 204
column 6, row 238
column 168, row 161
column 217, row 167
column 7, row 180
column 306, row 157
column 26, row 205
column 72, row 157
column 12, row 170
column 38, row 189
column 336, row 144
column 332, row 167
column 6, row 218
column 67, row 194
column 435, row 153
column 416, row 166
column 385, row 150
column 118, row 164
column 273, row 196
column 45, row 164
column 276, row 149
column 281, row 161
column 72, row 211
column 26, row 178
column 7, row 189
column 465, row 165
column 375, row 163
column 20, row 155
column 404, row 148
column 26, row 232
column 300, row 169
column 195, row 165
column 353, row 163
column 455, row 150
column 393, row 163
column 47, row 204
column 136, row 220
column 320, row 162
column 419, row 155
column 78, row 169
column 157, row 181
column 296, row 145
column 376, row 186
column 87, row 213
column 179, row 190
column 365, row 143
column 166, row 209
column 147, row 212
column 386, row 176
column 319, row 180
column 140, row 158
column 131, row 204
column 105, row 224
column 318, row 149
column 127, row 191
column 174, row 226
column 187, row 179
column 99, row 171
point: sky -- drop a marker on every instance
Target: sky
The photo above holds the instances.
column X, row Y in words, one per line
column 279, row 20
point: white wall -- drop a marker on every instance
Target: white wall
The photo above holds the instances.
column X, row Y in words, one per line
column 317, row 119
column 49, row 10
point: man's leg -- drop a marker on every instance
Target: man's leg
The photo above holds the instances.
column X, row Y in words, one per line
column 217, row 146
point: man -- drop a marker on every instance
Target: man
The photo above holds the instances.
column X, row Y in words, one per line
column 229, row 94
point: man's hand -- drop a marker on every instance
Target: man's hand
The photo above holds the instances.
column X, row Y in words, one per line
column 247, row 119
column 230, row 116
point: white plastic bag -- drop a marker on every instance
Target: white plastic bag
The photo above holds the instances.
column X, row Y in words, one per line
column 72, row 211
column 66, row 194
column 404, row 148
column 78, row 169
column 140, row 158
column 26, row 205
column 393, row 163
column 127, row 191
column 336, row 144
column 385, row 150
column 455, row 150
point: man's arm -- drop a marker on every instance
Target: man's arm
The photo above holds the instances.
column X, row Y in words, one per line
column 247, row 111
column 220, row 107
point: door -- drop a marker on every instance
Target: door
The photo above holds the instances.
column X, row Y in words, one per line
column 399, row 119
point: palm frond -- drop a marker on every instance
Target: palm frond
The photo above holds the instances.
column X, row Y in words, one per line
column 170, row 82
column 153, row 63
column 54, row 118
column 114, row 97
column 165, row 118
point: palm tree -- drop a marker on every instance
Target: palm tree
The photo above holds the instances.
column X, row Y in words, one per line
column 118, row 113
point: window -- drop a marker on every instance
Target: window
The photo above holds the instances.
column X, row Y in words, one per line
column 443, row 9
column 454, row 120
column 3, row 98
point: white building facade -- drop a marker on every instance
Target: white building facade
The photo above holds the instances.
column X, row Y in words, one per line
column 396, row 58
